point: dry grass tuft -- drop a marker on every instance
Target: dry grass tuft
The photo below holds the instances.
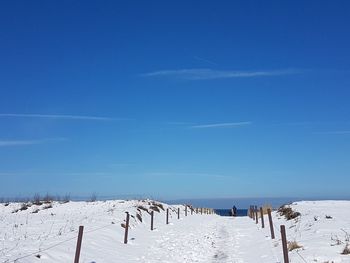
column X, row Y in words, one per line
column 288, row 212
column 346, row 250
column 293, row 245
column 158, row 205
column 142, row 208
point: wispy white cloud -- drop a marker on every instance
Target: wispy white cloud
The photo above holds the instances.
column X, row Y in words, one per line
column 202, row 74
column 221, row 125
column 4, row 143
column 205, row 60
column 58, row 116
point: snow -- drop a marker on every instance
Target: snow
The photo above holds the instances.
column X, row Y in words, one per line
column 52, row 234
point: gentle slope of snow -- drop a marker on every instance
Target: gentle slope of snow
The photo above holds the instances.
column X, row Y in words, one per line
column 52, row 233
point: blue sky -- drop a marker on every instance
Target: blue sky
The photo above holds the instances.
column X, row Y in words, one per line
column 175, row 100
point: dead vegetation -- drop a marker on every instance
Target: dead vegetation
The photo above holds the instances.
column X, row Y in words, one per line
column 159, row 205
column 346, row 250
column 288, row 212
column 140, row 207
column 293, row 245
column 154, row 208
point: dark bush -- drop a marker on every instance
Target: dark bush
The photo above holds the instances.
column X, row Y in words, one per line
column 288, row 212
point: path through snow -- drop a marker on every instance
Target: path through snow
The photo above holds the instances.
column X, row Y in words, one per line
column 210, row 239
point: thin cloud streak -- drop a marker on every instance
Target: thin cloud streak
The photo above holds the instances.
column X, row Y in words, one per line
column 205, row 60
column 221, row 125
column 9, row 143
column 202, row 74
column 58, row 116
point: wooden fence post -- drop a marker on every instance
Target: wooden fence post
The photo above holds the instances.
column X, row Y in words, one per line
column 152, row 215
column 256, row 215
column 167, row 216
column 271, row 224
column 284, row 244
column 191, row 210
column 201, row 210
column 178, row 213
column 126, row 228
column 80, row 238
column 262, row 217
column 185, row 210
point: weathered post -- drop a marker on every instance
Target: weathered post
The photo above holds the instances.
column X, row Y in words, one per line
column 284, row 244
column 126, row 228
column 191, row 210
column 178, row 213
column 262, row 217
column 256, row 215
column 201, row 210
column 78, row 248
column 271, row 223
column 167, row 216
column 152, row 215
column 185, row 210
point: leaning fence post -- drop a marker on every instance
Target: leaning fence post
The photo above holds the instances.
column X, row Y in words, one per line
column 152, row 215
column 126, row 228
column 284, row 244
column 256, row 215
column 271, row 224
column 80, row 238
column 167, row 216
column 262, row 217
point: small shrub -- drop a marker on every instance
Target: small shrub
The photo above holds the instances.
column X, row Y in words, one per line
column 93, row 197
column 346, row 250
column 293, row 245
column 48, row 198
column 37, row 199
column 65, row 199
column 35, row 211
column 288, row 212
column 123, row 225
column 24, row 206
column 47, row 206
column 328, row 217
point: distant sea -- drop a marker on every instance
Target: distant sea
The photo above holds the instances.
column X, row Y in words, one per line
column 227, row 212
column 241, row 203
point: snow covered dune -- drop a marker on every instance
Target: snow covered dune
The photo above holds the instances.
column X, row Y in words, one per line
column 48, row 233
column 322, row 230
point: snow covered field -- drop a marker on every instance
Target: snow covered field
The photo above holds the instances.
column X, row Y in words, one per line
column 50, row 234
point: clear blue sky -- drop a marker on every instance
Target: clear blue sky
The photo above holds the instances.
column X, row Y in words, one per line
column 176, row 99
